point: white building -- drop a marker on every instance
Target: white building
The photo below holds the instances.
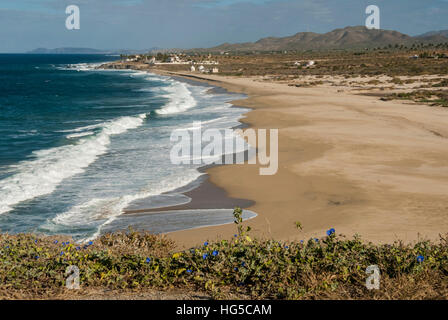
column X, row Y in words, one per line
column 192, row 69
column 215, row 70
column 201, row 69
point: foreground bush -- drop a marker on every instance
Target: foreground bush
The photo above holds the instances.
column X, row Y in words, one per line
column 331, row 267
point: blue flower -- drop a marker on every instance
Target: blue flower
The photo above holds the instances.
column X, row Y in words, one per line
column 35, row 241
column 235, row 235
column 189, row 271
column 78, row 248
column 301, row 241
column 315, row 239
column 215, row 253
column 68, row 242
column 330, row 232
column 37, row 257
column 204, row 256
column 90, row 243
column 7, row 247
column 205, row 243
column 420, row 258
column 286, row 247
column 62, row 252
column 55, row 241
column 243, row 264
column 63, row 243
column 148, row 260
column 236, row 269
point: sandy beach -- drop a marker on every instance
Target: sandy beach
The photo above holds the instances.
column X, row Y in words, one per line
column 346, row 161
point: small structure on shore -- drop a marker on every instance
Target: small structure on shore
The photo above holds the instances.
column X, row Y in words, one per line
column 192, row 69
column 310, row 63
column 215, row 70
column 151, row 61
column 201, row 69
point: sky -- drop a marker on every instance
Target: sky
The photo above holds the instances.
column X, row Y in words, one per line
column 142, row 24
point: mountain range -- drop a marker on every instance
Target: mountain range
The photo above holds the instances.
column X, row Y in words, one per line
column 346, row 38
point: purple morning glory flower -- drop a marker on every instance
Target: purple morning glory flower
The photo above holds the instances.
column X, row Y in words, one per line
column 206, row 243
column 189, row 271
column 55, row 241
column 148, row 260
column 215, row 253
column 236, row 269
column 420, row 258
column 330, row 232
column 90, row 243
column 243, row 264
column 62, row 252
column 37, row 257
column 204, row 256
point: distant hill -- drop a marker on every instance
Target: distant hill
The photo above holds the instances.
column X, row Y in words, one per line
column 89, row 51
column 443, row 33
column 434, row 36
column 67, row 51
column 346, row 38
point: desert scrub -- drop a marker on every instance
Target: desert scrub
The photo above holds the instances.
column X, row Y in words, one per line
column 328, row 267
column 433, row 98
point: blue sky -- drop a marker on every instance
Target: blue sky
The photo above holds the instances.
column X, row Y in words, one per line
column 140, row 24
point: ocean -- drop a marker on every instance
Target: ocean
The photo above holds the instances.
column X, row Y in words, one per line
column 79, row 145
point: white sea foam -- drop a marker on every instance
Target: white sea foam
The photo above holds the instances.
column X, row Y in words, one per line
column 85, row 128
column 79, row 135
column 105, row 210
column 40, row 176
column 50, row 167
column 179, row 97
column 81, row 66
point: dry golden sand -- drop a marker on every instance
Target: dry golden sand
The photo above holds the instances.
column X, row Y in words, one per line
column 354, row 163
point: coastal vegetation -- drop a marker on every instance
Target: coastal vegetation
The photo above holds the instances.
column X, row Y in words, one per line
column 331, row 267
column 430, row 97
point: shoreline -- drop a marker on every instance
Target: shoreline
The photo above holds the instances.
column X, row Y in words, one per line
column 350, row 162
column 202, row 192
column 380, row 211
column 204, row 195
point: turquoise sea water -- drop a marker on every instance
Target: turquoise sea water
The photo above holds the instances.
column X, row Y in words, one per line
column 78, row 145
